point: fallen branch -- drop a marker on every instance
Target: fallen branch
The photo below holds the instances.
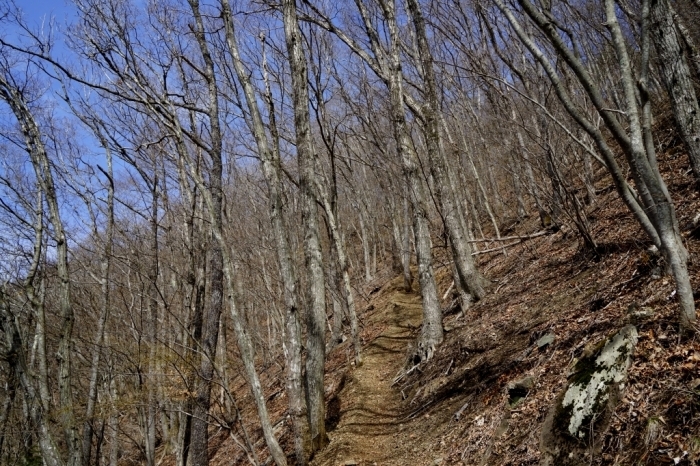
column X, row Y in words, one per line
column 499, row 248
column 447, row 293
column 404, row 373
column 508, row 238
column 458, row 415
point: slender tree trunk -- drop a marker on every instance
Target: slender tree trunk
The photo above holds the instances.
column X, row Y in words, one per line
column 244, row 343
column 316, row 314
column 149, row 383
column 343, row 273
column 338, row 312
column 364, row 236
column 213, row 308
column 44, row 176
column 271, row 165
column 105, row 270
column 432, row 331
column 649, row 181
column 470, row 278
column 406, row 243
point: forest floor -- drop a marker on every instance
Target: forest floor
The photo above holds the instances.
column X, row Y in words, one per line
column 368, row 408
column 457, row 409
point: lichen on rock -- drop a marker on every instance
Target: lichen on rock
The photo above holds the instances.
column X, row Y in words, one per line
column 585, row 406
column 596, row 376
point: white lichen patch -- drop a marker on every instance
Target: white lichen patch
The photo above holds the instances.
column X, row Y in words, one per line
column 586, row 398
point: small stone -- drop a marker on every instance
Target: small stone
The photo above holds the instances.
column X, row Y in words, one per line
column 437, row 461
column 350, row 463
column 639, row 315
column 545, row 341
column 695, row 384
column 519, row 389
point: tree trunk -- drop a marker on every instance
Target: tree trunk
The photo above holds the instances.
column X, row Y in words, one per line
column 432, row 331
column 44, row 177
column 316, row 291
column 471, row 279
column 209, row 334
column 270, row 159
column 677, row 79
column 105, row 270
column 406, row 244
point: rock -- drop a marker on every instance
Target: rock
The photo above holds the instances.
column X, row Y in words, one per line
column 350, row 463
column 545, row 341
column 586, row 405
column 637, row 315
column 519, row 389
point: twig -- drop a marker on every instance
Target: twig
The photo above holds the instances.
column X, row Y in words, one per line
column 458, row 415
column 447, row 293
column 508, row 238
column 403, row 374
column 499, row 248
column 449, row 366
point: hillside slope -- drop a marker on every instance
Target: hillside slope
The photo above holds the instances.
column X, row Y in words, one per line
column 456, row 409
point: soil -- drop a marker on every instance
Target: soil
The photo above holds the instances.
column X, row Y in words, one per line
column 370, row 411
column 457, row 408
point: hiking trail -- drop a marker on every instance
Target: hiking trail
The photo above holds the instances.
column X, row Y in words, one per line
column 370, row 430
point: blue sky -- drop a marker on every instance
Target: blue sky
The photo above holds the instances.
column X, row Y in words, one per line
column 36, row 11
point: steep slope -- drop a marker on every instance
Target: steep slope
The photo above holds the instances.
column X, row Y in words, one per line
column 458, row 409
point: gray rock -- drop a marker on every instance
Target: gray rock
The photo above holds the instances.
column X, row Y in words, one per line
column 637, row 316
column 585, row 406
column 545, row 341
column 519, row 389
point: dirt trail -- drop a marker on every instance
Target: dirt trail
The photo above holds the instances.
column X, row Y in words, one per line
column 369, row 431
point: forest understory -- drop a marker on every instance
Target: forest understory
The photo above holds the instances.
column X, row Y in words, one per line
column 457, row 409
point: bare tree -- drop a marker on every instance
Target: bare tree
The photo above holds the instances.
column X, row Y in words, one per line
column 316, row 291
column 12, row 93
column 270, row 161
column 657, row 217
column 676, row 77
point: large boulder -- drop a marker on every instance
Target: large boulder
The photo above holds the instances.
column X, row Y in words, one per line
column 575, row 424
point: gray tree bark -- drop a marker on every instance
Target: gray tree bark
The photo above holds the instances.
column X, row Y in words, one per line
column 316, row 292
column 270, row 160
column 677, row 79
column 432, row 331
column 209, row 333
column 44, row 177
column 471, row 280
column 652, row 207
